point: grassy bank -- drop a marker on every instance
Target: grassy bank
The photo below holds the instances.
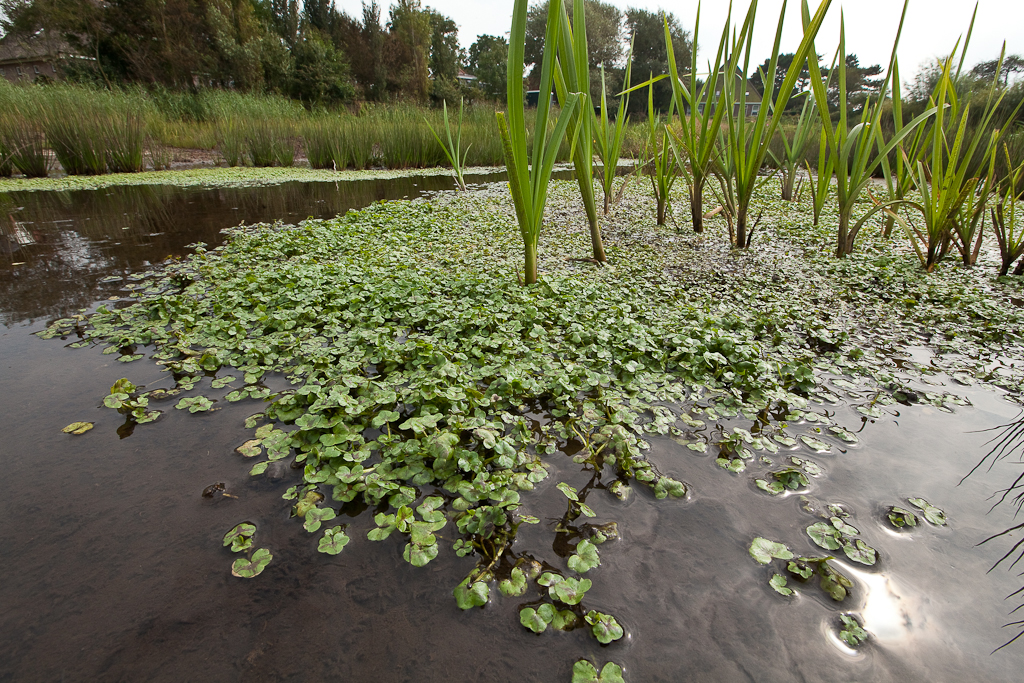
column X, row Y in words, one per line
column 83, row 131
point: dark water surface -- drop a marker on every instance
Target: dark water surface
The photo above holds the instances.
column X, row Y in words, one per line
column 113, row 569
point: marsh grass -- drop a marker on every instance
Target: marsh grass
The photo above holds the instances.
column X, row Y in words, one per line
column 231, row 142
column 27, row 144
column 125, row 143
column 269, row 142
column 1007, row 223
column 662, row 159
column 77, row 130
column 404, row 140
column 6, row 167
column 159, row 156
column 453, row 148
column 323, row 142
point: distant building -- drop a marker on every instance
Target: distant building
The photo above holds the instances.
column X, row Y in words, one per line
column 752, row 98
column 466, row 80
column 533, row 98
column 29, row 57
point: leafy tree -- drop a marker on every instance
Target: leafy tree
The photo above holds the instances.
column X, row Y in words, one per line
column 488, row 61
column 781, row 67
column 411, row 27
column 445, row 53
column 650, row 56
column 320, row 14
column 248, row 54
column 604, row 33
column 158, row 41
column 81, row 25
column 321, row 73
column 859, row 84
column 284, row 19
column 365, row 43
column 986, row 71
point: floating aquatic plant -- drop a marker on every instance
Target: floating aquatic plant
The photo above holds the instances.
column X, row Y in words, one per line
column 933, row 514
column 251, row 567
column 584, row 671
column 851, row 633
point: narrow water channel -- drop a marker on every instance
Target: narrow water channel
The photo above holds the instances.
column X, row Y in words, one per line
column 113, row 567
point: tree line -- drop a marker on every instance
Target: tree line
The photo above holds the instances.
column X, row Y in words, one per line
column 310, row 51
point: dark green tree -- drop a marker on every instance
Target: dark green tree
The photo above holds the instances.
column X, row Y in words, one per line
column 411, row 32
column 445, row 53
column 320, row 14
column 604, row 33
column 859, row 84
column 321, row 72
column 986, row 71
column 650, row 56
column 488, row 61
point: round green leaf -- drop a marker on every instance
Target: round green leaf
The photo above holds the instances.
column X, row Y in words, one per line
column 469, row 596
column 585, row 672
column 419, row 555
column 247, row 569
column 860, row 552
column 843, row 527
column 825, row 535
column 778, row 582
column 763, row 550
column 930, row 512
column 852, row 634
column 240, row 537
column 564, row 620
column 585, row 558
column 570, row 591
column 334, row 541
column 250, row 448
column 900, row 517
column 817, row 445
column 515, row 584
column 604, row 626
column 531, row 619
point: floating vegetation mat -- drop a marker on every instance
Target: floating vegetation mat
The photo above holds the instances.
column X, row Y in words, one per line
column 428, row 388
column 223, row 177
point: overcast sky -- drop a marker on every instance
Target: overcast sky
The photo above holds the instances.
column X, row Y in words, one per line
column 932, row 26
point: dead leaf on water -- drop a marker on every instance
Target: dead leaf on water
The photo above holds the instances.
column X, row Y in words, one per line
column 250, row 448
column 78, row 428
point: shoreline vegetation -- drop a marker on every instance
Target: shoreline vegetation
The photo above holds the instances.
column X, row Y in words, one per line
column 83, row 131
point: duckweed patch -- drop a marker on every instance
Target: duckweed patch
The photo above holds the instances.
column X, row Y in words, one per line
column 221, row 177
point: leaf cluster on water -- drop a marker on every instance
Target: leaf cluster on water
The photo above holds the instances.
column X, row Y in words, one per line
column 415, row 361
column 240, row 539
column 832, row 581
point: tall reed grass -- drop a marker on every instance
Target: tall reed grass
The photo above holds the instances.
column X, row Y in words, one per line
column 86, row 130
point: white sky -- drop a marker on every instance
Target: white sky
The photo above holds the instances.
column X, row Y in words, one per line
column 931, row 29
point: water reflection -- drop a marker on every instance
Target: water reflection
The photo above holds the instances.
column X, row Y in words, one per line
column 1008, row 441
column 57, row 246
column 131, row 581
column 885, row 613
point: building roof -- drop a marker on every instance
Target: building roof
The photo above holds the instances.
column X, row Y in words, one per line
column 39, row 46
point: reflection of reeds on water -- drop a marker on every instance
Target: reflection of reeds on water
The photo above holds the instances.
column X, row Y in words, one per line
column 1006, row 444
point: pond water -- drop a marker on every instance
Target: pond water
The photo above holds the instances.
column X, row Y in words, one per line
column 113, row 567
